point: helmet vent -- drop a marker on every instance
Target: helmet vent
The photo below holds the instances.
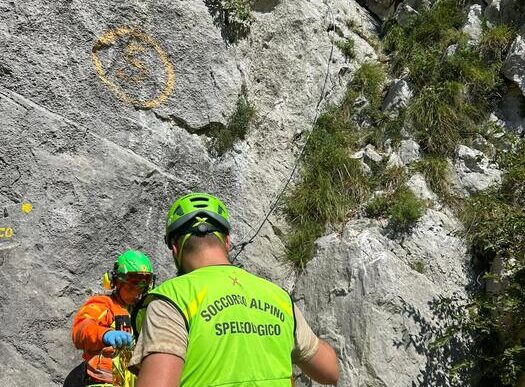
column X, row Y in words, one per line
column 200, row 205
column 179, row 211
column 220, row 210
column 198, row 199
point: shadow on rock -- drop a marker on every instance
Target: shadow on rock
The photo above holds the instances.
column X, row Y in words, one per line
column 441, row 340
column 232, row 29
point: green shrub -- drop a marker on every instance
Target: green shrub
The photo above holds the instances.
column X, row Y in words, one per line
column 495, row 227
column 390, row 179
column 369, row 80
column 496, row 231
column 300, row 243
column 456, row 85
column 438, row 116
column 513, row 185
column 347, row 47
column 377, row 206
column 401, row 206
column 239, row 11
column 455, row 91
column 419, row 46
column 383, row 126
column 495, row 41
column 418, row 266
column 436, row 170
column 482, row 80
column 225, row 137
column 332, row 184
column 405, row 210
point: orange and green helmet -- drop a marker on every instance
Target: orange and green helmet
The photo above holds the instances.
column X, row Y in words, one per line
column 196, row 213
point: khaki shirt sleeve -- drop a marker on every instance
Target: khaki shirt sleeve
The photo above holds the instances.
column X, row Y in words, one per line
column 306, row 342
column 163, row 330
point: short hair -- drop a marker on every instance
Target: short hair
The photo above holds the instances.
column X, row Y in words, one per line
column 197, row 242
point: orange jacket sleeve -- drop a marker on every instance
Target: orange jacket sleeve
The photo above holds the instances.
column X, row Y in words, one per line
column 92, row 320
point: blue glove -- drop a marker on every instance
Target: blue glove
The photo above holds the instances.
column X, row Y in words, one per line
column 117, row 339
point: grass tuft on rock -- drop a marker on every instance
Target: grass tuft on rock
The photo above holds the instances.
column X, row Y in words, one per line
column 332, row 184
column 347, row 47
column 495, row 41
column 401, row 207
column 405, row 210
column 455, row 86
column 238, row 124
column 369, row 80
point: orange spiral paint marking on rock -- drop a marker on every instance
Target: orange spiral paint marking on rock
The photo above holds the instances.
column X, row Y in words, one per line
column 109, row 39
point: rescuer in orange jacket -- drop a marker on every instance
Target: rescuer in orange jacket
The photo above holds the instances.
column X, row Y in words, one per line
column 103, row 323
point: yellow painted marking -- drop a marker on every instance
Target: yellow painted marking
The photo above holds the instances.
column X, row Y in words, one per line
column 6, row 232
column 193, row 306
column 27, row 208
column 108, row 39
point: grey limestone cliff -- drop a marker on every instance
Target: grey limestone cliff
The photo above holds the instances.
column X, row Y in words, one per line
column 110, row 109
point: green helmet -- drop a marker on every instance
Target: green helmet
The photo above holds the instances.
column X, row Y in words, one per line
column 132, row 261
column 211, row 215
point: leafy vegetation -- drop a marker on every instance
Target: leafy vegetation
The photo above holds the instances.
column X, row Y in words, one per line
column 238, row 124
column 456, row 84
column 334, row 184
column 495, row 41
column 418, row 266
column 405, row 210
column 233, row 17
column 495, row 223
column 347, row 47
column 402, row 208
column 239, row 11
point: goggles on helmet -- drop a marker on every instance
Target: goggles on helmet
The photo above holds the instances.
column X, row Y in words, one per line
column 139, row 280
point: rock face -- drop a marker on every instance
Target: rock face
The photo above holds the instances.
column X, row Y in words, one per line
column 474, row 170
column 514, row 67
column 107, row 111
column 419, row 187
column 402, row 9
column 409, row 151
column 404, row 13
column 381, row 8
column 512, row 109
column 398, row 96
column 473, row 25
column 373, row 298
column 505, row 11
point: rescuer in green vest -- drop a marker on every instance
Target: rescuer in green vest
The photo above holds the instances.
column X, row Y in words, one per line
column 216, row 324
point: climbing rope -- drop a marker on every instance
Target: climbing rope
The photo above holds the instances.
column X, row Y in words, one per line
column 243, row 244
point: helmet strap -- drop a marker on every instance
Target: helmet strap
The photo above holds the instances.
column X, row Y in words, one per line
column 178, row 258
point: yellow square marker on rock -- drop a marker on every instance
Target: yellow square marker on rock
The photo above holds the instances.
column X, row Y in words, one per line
column 27, row 208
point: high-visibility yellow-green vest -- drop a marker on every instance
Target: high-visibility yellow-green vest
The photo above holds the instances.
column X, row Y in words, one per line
column 240, row 327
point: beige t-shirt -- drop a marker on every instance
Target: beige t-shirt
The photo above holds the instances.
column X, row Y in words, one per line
column 163, row 330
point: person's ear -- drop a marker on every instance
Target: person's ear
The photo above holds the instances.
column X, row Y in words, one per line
column 228, row 242
column 174, row 248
